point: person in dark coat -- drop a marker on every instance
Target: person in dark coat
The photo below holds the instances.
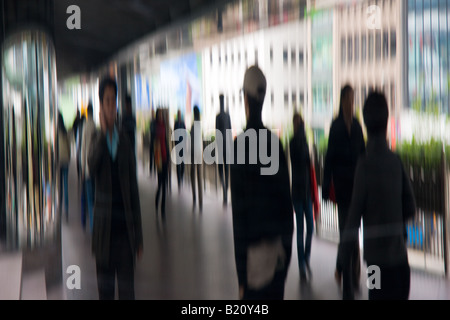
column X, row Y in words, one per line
column 383, row 198
column 223, row 123
column 301, row 193
column 117, row 231
column 345, row 144
column 129, row 122
column 262, row 211
column 179, row 124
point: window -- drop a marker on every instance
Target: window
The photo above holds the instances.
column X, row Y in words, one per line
column 350, row 49
column 293, row 57
column 370, row 46
column 356, row 46
column 256, row 56
column 301, row 98
column 294, row 98
column 385, row 45
column 378, row 45
column 363, row 48
column 393, row 44
column 300, row 57
column 271, row 55
column 286, row 99
column 285, row 56
column 272, row 98
column 343, row 54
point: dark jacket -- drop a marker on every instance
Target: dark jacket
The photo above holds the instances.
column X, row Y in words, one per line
column 384, row 199
column 341, row 159
column 100, row 163
column 179, row 124
column 261, row 204
column 223, row 123
column 129, row 126
column 301, row 166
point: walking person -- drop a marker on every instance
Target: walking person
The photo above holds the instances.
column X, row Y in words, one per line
column 301, row 194
column 223, row 125
column 161, row 160
column 345, row 145
column 63, row 161
column 261, row 204
column 129, row 122
column 197, row 159
column 152, row 140
column 117, row 230
column 383, row 198
column 88, row 132
column 179, row 124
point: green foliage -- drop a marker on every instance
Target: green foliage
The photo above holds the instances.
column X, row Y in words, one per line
column 426, row 154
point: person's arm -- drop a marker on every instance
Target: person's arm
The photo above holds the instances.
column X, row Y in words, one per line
column 97, row 150
column 135, row 205
column 408, row 200
column 237, row 187
column 328, row 166
column 356, row 210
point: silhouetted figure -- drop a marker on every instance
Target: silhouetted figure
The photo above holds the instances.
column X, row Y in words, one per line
column 301, row 194
column 383, row 198
column 345, row 145
column 179, row 124
column 261, row 204
column 197, row 159
column 152, row 145
column 161, row 160
column 88, row 133
column 117, row 233
column 63, row 160
column 223, row 123
column 129, row 122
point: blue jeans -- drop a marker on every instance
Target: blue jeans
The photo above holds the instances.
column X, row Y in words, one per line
column 304, row 246
column 63, row 185
column 89, row 188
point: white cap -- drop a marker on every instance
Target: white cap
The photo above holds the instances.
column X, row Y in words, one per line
column 255, row 83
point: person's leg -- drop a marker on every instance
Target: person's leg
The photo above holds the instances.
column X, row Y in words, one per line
column 225, row 190
column 90, row 202
column 164, row 184
column 182, row 172
column 125, row 271
column 298, row 207
column 220, row 170
column 66, row 190
column 160, row 182
column 105, row 282
column 346, row 270
column 200, row 186
column 309, row 233
column 356, row 265
column 193, row 182
column 83, row 204
column 394, row 283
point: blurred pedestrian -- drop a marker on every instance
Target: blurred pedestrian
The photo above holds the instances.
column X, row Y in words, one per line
column 179, row 124
column 161, row 160
column 223, row 125
column 383, row 198
column 197, row 159
column 301, row 194
column 117, row 230
column 261, row 204
column 345, row 145
column 63, row 161
column 129, row 122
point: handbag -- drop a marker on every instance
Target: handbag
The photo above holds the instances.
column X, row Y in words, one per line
column 314, row 192
column 263, row 260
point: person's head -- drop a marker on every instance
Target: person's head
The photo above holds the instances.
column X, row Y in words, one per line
column 196, row 113
column 297, row 122
column 108, row 95
column 346, row 102
column 376, row 113
column 222, row 102
column 254, row 91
